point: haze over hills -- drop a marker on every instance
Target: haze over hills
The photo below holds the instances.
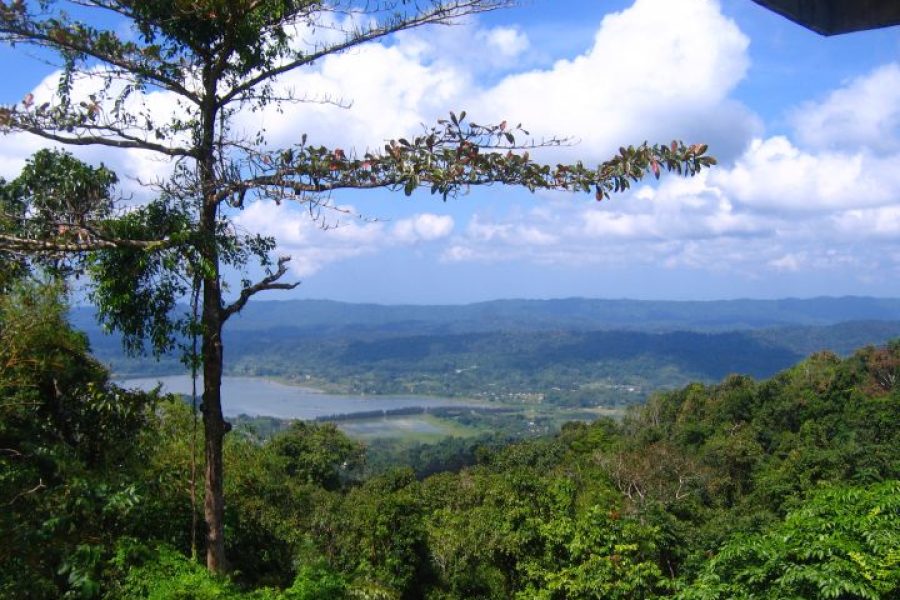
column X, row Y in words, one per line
column 570, row 314
column 576, row 314
column 571, row 351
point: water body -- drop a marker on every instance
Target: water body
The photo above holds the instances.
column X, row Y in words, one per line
column 256, row 396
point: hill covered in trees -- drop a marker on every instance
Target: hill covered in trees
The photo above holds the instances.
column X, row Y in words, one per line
column 574, row 352
column 787, row 487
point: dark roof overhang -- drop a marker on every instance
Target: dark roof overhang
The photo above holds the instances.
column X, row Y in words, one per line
column 831, row 17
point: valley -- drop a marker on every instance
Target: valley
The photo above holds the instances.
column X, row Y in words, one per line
column 529, row 366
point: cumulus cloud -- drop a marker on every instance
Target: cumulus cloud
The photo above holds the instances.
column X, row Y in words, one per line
column 775, row 175
column 874, row 224
column 337, row 236
column 507, row 42
column 658, row 70
column 671, row 224
column 14, row 150
column 469, row 48
column 387, row 92
column 422, row 228
column 864, row 113
column 824, row 198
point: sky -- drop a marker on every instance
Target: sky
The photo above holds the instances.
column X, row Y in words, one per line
column 805, row 201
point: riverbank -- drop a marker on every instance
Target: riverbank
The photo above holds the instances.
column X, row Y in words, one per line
column 259, row 396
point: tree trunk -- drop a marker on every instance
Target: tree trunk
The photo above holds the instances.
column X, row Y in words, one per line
column 213, row 319
column 213, row 426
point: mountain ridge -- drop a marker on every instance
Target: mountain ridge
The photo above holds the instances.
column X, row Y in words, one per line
column 327, row 317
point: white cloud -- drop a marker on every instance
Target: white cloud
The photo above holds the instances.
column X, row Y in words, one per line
column 788, row 262
column 777, row 209
column 390, row 93
column 337, row 236
column 868, row 224
column 423, row 227
column 468, row 47
column 14, row 150
column 865, row 112
column 508, row 42
column 658, row 70
column 775, row 175
column 680, row 222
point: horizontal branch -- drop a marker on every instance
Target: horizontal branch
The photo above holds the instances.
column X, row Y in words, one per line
column 452, row 157
column 74, row 39
column 270, row 282
column 442, row 12
column 11, row 243
column 121, row 142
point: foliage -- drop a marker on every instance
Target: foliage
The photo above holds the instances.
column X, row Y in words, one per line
column 276, row 487
column 596, row 555
column 55, row 197
column 842, row 542
column 71, row 446
column 163, row 573
column 379, row 536
column 317, row 454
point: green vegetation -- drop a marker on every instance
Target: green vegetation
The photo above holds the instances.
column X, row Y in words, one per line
column 780, row 488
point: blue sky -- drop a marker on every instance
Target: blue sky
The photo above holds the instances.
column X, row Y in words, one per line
column 804, row 203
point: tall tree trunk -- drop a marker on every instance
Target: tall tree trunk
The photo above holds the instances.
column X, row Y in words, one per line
column 213, row 319
column 213, row 425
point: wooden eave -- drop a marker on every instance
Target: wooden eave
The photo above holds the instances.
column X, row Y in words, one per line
column 832, row 17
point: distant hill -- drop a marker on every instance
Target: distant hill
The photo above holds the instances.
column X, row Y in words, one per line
column 841, row 338
column 326, row 317
column 572, row 352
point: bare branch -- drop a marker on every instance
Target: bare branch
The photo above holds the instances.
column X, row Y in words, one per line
column 441, row 13
column 72, row 39
column 267, row 283
column 123, row 140
column 33, row 490
column 11, row 243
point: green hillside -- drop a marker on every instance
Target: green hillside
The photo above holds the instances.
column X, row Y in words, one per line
column 787, row 487
column 573, row 367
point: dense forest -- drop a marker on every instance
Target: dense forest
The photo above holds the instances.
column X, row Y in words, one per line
column 781, row 488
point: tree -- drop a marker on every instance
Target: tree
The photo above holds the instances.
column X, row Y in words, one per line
column 72, row 450
column 219, row 57
column 53, row 191
column 839, row 543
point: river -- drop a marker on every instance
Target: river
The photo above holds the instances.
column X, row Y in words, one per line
column 258, row 396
